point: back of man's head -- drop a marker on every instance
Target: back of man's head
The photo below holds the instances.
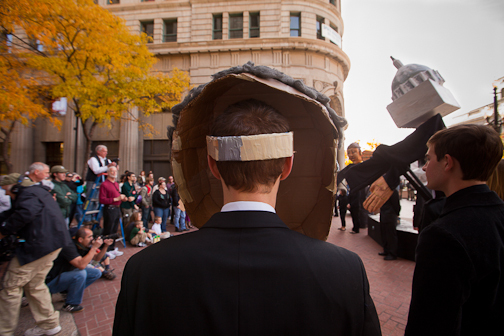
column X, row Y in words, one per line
column 477, row 148
column 249, row 117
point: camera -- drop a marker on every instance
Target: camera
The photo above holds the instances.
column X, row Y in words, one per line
column 111, row 236
column 116, row 161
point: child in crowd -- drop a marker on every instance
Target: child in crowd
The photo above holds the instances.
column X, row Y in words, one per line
column 156, row 227
column 138, row 237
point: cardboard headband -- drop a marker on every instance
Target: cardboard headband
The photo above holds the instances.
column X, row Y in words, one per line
column 250, row 147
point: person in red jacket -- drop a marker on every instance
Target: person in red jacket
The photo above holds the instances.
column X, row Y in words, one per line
column 111, row 198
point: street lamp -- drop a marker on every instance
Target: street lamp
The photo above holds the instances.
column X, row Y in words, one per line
column 497, row 122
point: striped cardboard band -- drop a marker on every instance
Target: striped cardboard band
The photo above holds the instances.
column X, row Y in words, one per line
column 251, row 147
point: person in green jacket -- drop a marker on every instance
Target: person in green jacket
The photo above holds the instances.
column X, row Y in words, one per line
column 129, row 189
column 61, row 192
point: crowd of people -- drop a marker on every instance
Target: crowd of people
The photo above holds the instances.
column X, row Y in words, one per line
column 43, row 208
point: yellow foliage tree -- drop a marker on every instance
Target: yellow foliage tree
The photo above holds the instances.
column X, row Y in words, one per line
column 90, row 57
column 21, row 97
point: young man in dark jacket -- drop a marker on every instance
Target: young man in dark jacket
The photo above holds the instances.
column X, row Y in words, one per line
column 458, row 287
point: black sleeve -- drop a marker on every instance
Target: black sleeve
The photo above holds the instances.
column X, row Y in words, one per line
column 371, row 322
column 125, row 306
column 27, row 206
column 441, row 284
column 156, row 199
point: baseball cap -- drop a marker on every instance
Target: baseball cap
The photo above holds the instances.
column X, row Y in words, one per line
column 10, row 179
column 58, row 169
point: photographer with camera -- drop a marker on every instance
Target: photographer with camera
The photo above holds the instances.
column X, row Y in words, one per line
column 78, row 266
column 111, row 198
column 37, row 221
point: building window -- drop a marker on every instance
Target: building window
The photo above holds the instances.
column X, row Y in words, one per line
column 111, row 2
column 35, row 44
column 148, row 28
column 332, row 2
column 54, row 153
column 295, row 24
column 217, row 27
column 6, row 38
column 320, row 22
column 156, row 157
column 170, row 30
column 335, row 29
column 236, row 25
column 254, row 24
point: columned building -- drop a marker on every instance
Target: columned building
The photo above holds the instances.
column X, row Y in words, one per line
column 301, row 38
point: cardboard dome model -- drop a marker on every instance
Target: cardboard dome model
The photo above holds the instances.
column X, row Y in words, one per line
column 305, row 199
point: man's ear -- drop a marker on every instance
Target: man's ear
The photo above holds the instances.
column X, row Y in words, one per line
column 212, row 164
column 287, row 168
column 449, row 162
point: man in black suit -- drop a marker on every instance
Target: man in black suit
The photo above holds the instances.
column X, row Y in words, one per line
column 458, row 287
column 245, row 272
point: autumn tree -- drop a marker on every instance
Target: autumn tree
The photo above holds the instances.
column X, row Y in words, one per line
column 91, row 58
column 21, row 96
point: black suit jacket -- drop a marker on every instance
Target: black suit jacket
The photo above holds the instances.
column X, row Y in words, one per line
column 245, row 273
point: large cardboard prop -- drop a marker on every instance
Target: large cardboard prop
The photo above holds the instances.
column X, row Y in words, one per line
column 418, row 94
column 305, row 198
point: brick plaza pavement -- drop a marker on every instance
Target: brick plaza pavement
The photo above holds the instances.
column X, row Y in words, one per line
column 390, row 284
column 389, row 281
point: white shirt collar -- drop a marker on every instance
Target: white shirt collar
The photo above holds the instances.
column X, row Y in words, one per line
column 247, row 206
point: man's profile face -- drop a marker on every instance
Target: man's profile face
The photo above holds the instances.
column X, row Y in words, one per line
column 87, row 239
column 354, row 155
column 170, row 179
column 102, row 152
column 434, row 170
column 60, row 176
column 41, row 174
column 132, row 178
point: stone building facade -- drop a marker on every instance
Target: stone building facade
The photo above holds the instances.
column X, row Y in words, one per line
column 301, row 38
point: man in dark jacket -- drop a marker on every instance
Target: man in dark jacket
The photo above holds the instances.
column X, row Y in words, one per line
column 249, row 273
column 38, row 221
column 458, row 287
column 355, row 197
column 128, row 189
column 389, row 213
column 179, row 214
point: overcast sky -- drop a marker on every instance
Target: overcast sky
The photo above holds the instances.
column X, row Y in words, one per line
column 462, row 39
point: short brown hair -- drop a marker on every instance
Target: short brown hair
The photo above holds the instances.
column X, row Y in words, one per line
column 477, row 148
column 250, row 117
column 496, row 180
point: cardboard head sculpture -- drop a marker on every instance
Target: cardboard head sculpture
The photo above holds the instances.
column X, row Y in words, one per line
column 305, row 198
